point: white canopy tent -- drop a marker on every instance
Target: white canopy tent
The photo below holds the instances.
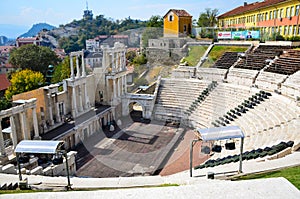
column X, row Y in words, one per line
column 41, row 147
column 220, row 133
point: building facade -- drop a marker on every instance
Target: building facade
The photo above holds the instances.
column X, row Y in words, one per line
column 270, row 16
column 177, row 23
column 28, row 40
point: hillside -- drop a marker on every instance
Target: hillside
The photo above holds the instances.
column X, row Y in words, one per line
column 36, row 28
column 72, row 36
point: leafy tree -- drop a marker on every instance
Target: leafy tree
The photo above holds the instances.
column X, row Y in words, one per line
column 24, row 80
column 208, row 18
column 155, row 21
column 36, row 58
column 130, row 55
column 139, row 60
column 4, row 103
column 62, row 71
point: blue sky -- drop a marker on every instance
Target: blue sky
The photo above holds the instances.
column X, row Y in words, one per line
column 22, row 14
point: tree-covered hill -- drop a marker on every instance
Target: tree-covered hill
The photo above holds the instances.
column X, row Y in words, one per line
column 72, row 36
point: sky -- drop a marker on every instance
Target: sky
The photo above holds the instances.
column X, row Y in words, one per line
column 18, row 16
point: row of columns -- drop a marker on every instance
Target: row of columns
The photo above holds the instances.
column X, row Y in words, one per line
column 94, row 126
column 76, row 55
column 79, row 90
column 56, row 110
column 80, row 102
column 24, row 127
column 119, row 86
column 118, row 63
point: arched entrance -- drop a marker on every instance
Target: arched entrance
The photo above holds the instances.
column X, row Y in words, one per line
column 136, row 111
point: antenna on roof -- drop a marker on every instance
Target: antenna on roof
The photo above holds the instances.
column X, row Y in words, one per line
column 87, row 5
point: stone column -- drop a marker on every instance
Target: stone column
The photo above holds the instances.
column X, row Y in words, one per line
column 80, row 99
column 113, row 67
column 57, row 115
column 50, row 110
column 119, row 87
column 125, row 83
column 35, row 125
column 13, row 131
column 74, row 106
column 124, row 61
column 117, row 60
column 77, row 67
column 122, row 85
column 104, row 59
column 83, row 65
column 114, row 89
column 24, row 125
column 2, row 146
column 72, row 67
column 108, row 95
column 86, row 97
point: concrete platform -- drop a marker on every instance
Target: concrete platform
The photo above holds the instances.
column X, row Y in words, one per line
column 262, row 188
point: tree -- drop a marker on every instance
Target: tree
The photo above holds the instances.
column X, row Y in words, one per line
column 24, row 80
column 62, row 71
column 208, row 18
column 33, row 57
column 130, row 55
column 155, row 21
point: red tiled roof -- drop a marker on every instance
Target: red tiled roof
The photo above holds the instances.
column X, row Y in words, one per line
column 250, row 7
column 6, row 48
column 4, row 82
column 27, row 39
column 179, row 13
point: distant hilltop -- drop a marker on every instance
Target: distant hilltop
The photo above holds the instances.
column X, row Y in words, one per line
column 36, row 28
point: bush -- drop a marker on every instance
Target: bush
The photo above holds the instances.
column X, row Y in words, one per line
column 293, row 38
column 139, row 60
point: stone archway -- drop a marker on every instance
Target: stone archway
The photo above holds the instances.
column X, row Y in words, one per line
column 136, row 111
column 145, row 100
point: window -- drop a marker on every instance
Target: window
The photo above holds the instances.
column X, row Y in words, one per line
column 292, row 11
column 285, row 30
column 287, row 13
column 295, row 30
column 266, row 16
column 299, row 30
column 290, row 30
column 270, row 16
column 170, row 17
column 281, row 13
column 275, row 14
column 184, row 28
column 297, row 10
column 278, row 14
column 280, row 30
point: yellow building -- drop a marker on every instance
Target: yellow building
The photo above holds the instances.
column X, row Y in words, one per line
column 271, row 16
column 177, row 23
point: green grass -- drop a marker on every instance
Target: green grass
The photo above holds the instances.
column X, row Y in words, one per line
column 292, row 174
column 195, row 53
column 21, row 191
column 218, row 51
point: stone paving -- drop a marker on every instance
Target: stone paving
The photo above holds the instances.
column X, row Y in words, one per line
column 139, row 149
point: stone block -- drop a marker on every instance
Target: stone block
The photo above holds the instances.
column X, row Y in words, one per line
column 37, row 171
column 9, row 168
